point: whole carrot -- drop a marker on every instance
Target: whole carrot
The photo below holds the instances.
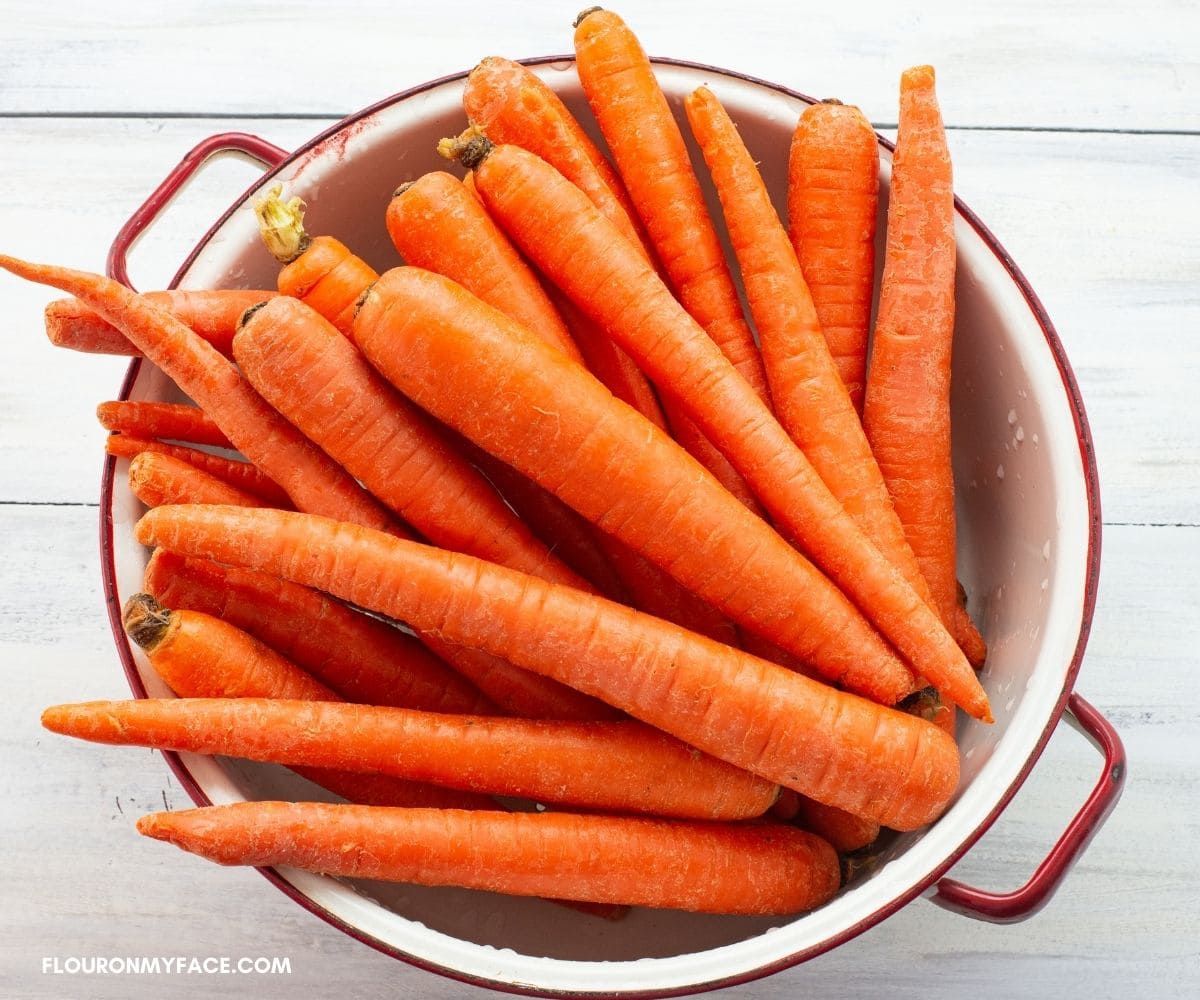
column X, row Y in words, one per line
column 614, row 766
column 709, row 867
column 309, row 477
column 653, row 162
column 157, row 478
column 907, row 409
column 589, row 260
column 837, row 748
column 201, row 656
column 161, row 420
column 832, row 197
column 213, row 315
column 245, row 478
column 360, row 658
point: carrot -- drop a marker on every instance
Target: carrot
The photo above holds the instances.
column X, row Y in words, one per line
column 360, row 658
column 907, row 408
column 844, row 831
column 157, row 478
column 589, row 261
column 716, row 868
column 837, row 748
column 832, row 196
column 309, row 477
column 243, row 477
column 616, row 766
column 319, row 271
column 653, row 161
column 200, row 656
column 436, row 224
column 161, row 420
column 213, row 315
column 285, row 350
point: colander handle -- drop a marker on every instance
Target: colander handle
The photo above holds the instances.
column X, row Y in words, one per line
column 252, row 146
column 1009, row 907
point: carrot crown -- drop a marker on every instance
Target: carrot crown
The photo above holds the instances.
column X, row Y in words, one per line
column 145, row 620
column 584, row 13
column 281, row 225
column 470, row 147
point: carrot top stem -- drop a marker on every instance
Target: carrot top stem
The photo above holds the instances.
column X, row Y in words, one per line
column 470, row 147
column 584, row 13
column 281, row 224
column 145, row 620
column 244, row 318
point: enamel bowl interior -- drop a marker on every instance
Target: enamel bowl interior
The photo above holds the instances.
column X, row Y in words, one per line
column 1024, row 517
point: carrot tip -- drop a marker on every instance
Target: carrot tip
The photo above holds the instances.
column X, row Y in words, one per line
column 470, row 147
column 281, row 225
column 584, row 13
column 154, row 825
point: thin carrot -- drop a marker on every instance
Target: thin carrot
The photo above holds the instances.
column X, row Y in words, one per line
column 161, row 420
column 311, row 479
column 200, row 656
column 319, row 271
column 213, row 315
column 844, row 831
column 837, row 748
column 907, row 408
column 716, row 868
column 285, row 349
column 242, row 476
column 653, row 161
column 157, row 478
column 612, row 766
column 580, row 251
column 360, row 658
column 832, row 196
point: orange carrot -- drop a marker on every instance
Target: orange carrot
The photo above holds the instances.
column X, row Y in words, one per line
column 654, row 164
column 199, row 656
column 436, row 224
column 360, row 658
column 213, row 315
column 243, row 477
column 161, row 420
column 843, row 750
column 309, row 477
column 586, row 257
column 285, row 349
column 157, row 478
column 716, row 868
column 832, row 195
column 614, row 766
column 907, row 409
column 319, row 271
column 844, row 831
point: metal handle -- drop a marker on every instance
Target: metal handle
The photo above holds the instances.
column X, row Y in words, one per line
column 1009, row 907
column 252, row 146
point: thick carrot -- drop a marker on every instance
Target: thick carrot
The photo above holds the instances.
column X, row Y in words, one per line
column 242, row 476
column 319, row 271
column 907, row 408
column 844, row 831
column 317, row 379
column 213, row 315
column 203, row 657
column 617, row 469
column 161, row 420
column 157, row 478
column 360, row 658
column 708, row 867
column 832, row 196
column 653, row 161
column 613, row 766
column 311, row 479
column 577, row 248
column 837, row 748
column 436, row 224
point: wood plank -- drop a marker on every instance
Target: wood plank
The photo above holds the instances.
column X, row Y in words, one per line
column 89, row 886
column 1116, row 270
column 1028, row 63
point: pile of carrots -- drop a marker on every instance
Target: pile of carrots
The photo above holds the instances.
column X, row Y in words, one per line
column 682, row 578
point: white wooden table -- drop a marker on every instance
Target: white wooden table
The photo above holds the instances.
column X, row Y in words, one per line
column 1076, row 137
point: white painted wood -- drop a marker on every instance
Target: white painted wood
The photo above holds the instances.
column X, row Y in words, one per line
column 1024, row 62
